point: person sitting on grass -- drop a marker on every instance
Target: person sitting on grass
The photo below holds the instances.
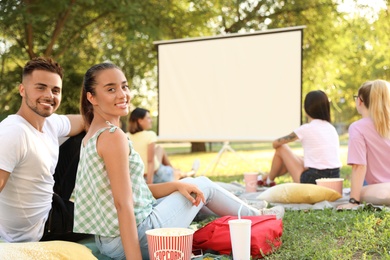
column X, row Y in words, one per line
column 320, row 143
column 111, row 198
column 369, row 146
column 36, row 173
column 158, row 166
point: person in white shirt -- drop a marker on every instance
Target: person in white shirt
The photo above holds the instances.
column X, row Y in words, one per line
column 320, row 143
column 29, row 153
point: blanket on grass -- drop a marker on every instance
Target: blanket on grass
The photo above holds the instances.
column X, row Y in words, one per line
column 252, row 199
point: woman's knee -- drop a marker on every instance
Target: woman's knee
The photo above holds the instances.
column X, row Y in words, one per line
column 199, row 181
column 376, row 193
column 159, row 150
column 282, row 149
column 203, row 183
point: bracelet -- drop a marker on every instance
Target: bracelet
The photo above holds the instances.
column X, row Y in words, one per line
column 353, row 201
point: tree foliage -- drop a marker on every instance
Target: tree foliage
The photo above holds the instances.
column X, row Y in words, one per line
column 340, row 50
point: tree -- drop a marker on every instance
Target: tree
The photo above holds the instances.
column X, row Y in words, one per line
column 84, row 32
column 340, row 51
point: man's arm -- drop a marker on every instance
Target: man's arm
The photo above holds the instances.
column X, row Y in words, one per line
column 76, row 124
column 3, row 178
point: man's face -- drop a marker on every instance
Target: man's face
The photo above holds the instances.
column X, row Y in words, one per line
column 41, row 92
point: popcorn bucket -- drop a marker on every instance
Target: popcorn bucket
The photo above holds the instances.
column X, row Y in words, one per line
column 332, row 183
column 170, row 243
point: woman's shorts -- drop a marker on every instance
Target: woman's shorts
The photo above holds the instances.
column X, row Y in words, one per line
column 163, row 174
column 311, row 174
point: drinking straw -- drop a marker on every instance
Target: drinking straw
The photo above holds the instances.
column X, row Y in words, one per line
column 239, row 211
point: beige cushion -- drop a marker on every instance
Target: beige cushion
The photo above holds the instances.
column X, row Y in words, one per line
column 59, row 250
column 298, row 193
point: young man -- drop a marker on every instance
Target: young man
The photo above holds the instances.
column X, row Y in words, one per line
column 29, row 152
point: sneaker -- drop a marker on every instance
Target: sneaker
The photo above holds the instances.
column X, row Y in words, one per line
column 277, row 210
column 261, row 204
column 195, row 167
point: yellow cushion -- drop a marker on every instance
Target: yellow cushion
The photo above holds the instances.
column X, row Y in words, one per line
column 58, row 250
column 298, row 193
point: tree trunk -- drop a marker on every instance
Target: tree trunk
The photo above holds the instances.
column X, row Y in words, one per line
column 198, row 147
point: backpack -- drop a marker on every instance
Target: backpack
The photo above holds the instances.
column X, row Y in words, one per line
column 266, row 232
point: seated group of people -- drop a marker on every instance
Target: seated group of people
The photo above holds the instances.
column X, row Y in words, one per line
column 368, row 146
column 100, row 183
column 99, row 186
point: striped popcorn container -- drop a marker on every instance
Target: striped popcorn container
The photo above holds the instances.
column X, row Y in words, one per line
column 170, row 243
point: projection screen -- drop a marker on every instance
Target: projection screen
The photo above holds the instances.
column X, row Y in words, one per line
column 240, row 87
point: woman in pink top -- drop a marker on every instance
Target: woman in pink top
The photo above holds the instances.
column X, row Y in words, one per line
column 369, row 146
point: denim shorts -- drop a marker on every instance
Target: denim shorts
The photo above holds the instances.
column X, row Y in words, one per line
column 311, row 174
column 110, row 246
column 164, row 173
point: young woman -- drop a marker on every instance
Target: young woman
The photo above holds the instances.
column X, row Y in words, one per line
column 369, row 146
column 112, row 199
column 158, row 167
column 320, row 143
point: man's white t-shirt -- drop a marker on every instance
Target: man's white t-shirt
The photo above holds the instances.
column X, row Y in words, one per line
column 31, row 157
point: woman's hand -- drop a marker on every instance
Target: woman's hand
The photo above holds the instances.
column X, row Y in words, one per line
column 191, row 192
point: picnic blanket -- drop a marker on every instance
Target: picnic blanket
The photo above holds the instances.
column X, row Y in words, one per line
column 239, row 190
column 252, row 198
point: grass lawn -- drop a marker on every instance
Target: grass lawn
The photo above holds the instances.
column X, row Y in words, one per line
column 309, row 234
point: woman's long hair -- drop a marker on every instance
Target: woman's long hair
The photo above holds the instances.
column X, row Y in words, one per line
column 138, row 113
column 375, row 96
column 317, row 105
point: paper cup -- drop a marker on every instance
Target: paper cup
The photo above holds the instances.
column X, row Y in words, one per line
column 170, row 243
column 250, row 179
column 332, row 183
column 240, row 236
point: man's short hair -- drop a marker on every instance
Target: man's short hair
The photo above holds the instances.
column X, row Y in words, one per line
column 42, row 63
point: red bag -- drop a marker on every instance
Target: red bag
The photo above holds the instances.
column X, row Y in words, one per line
column 266, row 232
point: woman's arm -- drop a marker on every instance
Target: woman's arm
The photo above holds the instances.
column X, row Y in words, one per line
column 285, row 139
column 114, row 150
column 190, row 191
column 150, row 163
column 357, row 179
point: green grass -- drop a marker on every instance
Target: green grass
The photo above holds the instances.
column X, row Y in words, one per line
column 245, row 157
column 331, row 234
column 307, row 234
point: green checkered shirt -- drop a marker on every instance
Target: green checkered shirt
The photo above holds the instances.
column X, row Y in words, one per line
column 94, row 210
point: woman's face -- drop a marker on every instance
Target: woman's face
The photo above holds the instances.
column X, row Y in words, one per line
column 146, row 122
column 112, row 94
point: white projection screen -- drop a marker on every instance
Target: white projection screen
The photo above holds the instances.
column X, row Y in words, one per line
column 240, row 87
